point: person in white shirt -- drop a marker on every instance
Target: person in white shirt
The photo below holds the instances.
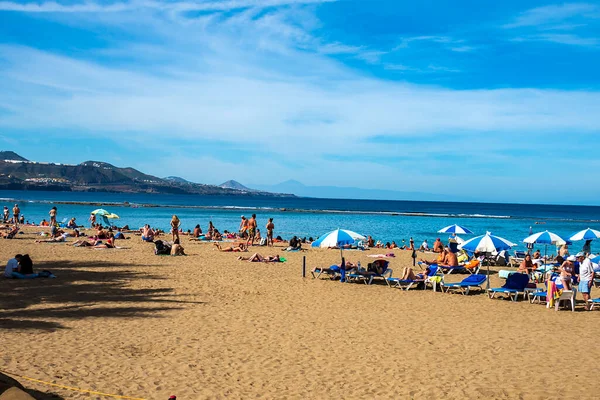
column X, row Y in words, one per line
column 424, row 246
column 586, row 277
column 12, row 266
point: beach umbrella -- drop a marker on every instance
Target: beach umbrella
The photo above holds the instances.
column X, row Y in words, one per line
column 337, row 238
column 545, row 238
column 456, row 229
column 101, row 212
column 586, row 234
column 487, row 243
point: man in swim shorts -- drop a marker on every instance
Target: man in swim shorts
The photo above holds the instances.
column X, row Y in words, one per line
column 270, row 227
column 251, row 230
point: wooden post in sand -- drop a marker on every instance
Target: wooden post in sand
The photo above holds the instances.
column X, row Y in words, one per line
column 304, row 266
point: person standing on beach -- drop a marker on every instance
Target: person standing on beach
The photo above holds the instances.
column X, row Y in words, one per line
column 16, row 212
column 586, row 278
column 243, row 230
column 6, row 215
column 175, row 228
column 251, row 230
column 52, row 213
column 270, row 226
column 92, row 220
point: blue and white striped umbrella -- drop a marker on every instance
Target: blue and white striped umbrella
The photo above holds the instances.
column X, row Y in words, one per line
column 456, row 229
column 545, row 237
column 337, row 238
column 586, row 234
column 487, row 243
column 595, row 259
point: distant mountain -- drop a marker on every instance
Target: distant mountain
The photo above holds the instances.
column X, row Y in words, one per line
column 11, row 155
column 176, row 179
column 20, row 174
column 335, row 192
column 231, row 184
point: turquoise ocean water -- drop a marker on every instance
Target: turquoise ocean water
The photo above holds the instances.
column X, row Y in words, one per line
column 384, row 220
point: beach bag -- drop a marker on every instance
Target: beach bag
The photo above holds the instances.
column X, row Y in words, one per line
column 263, row 242
column 161, row 248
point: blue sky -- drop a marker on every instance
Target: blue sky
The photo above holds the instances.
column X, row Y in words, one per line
column 500, row 99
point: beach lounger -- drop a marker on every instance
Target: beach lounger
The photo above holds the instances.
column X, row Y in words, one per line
column 593, row 302
column 518, row 258
column 406, row 284
column 474, row 265
column 330, row 272
column 515, row 285
column 369, row 275
column 464, row 286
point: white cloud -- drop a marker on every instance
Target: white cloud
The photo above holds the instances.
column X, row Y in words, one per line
column 575, row 18
column 554, row 14
column 264, row 80
column 177, row 6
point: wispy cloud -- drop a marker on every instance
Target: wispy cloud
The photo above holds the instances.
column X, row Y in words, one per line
column 554, row 14
column 178, row 6
column 574, row 18
column 567, row 39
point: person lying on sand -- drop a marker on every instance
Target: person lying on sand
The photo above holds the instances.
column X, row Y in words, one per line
column 238, row 247
column 349, row 267
column 258, row 258
column 84, row 243
column 56, row 239
column 11, row 233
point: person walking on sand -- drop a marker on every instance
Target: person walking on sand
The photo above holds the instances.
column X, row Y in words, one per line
column 92, row 220
column 16, row 212
column 52, row 213
column 270, row 226
column 175, row 228
column 251, row 230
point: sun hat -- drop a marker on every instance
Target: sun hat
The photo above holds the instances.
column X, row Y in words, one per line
column 580, row 254
column 571, row 258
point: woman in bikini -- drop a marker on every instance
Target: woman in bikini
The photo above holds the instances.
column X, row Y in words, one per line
column 175, row 227
column 240, row 247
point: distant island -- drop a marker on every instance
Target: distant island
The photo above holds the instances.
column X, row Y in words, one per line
column 19, row 173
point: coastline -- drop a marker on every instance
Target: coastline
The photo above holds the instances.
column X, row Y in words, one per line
column 126, row 204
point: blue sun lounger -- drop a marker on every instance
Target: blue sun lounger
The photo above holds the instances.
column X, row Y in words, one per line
column 515, row 285
column 406, row 284
column 594, row 302
column 471, row 281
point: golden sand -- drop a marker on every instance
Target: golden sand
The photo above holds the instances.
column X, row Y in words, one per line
column 127, row 322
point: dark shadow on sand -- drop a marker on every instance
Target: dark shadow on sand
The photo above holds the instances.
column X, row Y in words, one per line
column 89, row 293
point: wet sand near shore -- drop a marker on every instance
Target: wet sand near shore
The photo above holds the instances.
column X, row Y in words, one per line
column 127, row 322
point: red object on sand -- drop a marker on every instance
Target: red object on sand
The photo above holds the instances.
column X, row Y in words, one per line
column 173, row 398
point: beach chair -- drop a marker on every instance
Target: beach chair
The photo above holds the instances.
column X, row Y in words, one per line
column 474, row 265
column 330, row 272
column 568, row 296
column 406, row 284
column 464, row 286
column 518, row 258
column 593, row 302
column 515, row 285
column 370, row 274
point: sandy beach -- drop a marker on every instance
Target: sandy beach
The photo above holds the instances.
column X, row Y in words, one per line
column 127, row 322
